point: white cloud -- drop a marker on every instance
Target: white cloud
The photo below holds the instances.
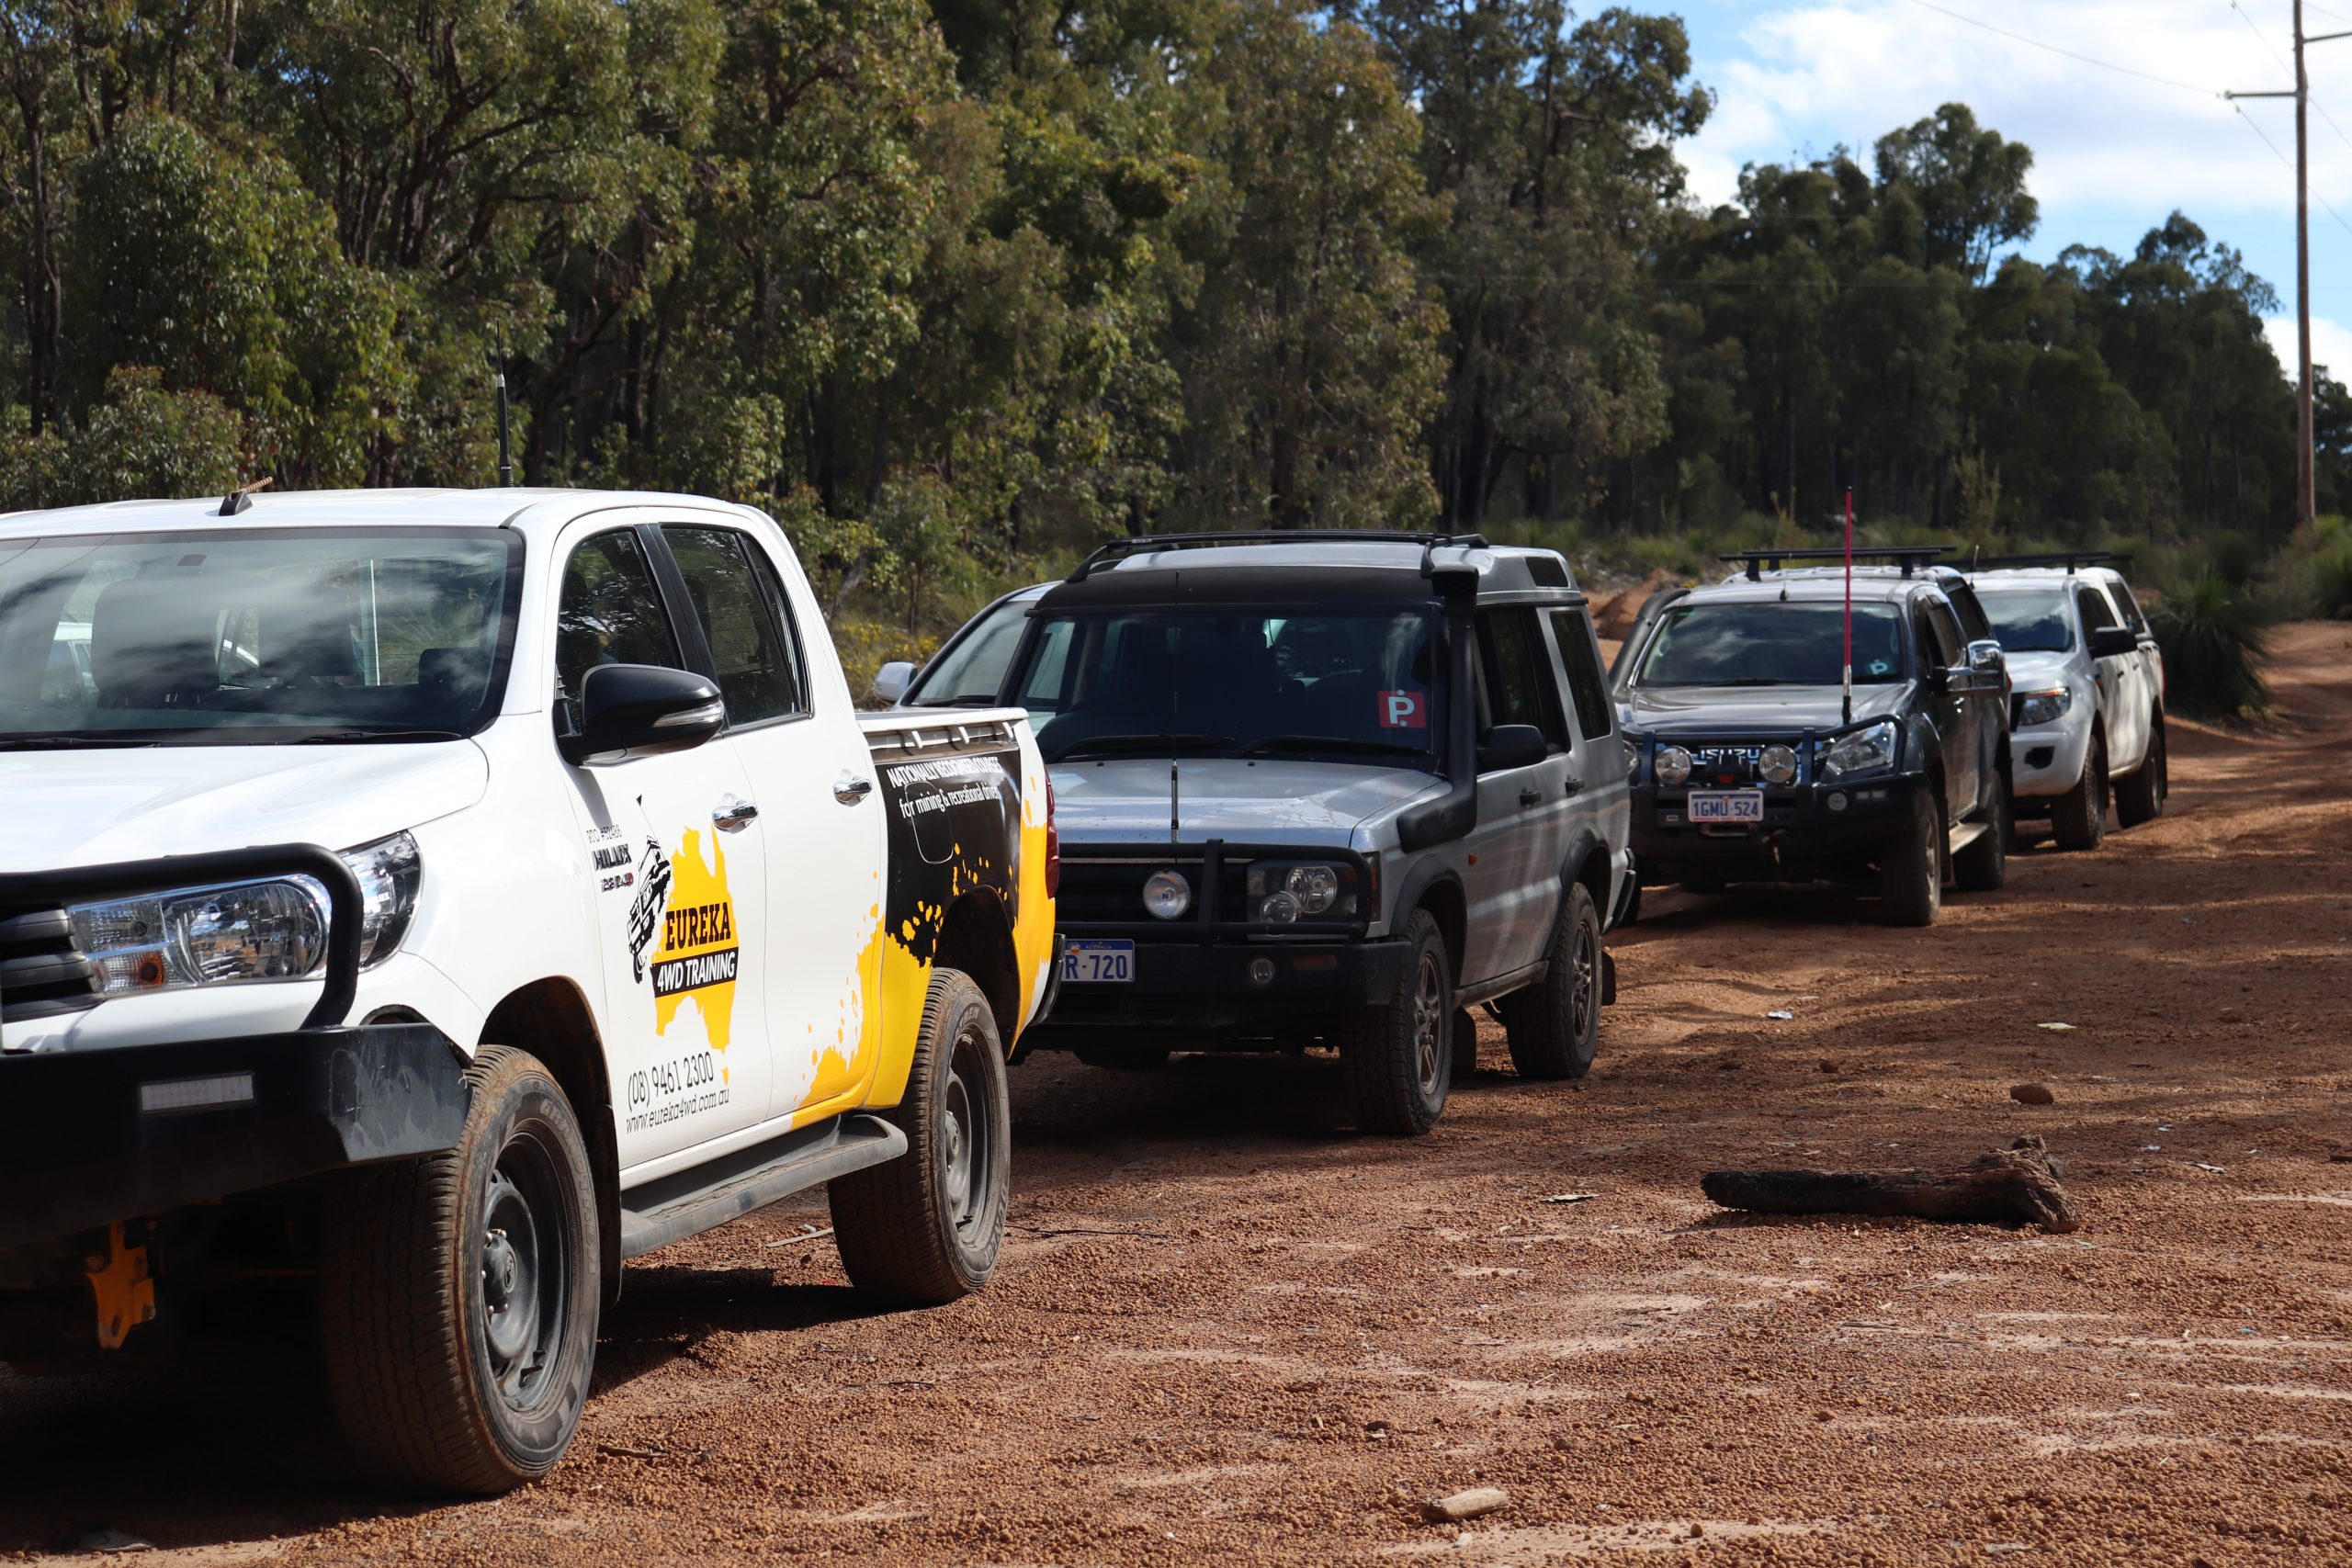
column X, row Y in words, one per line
column 2331, row 344
column 1806, row 75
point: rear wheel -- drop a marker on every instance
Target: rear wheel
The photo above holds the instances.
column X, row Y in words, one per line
column 1984, row 865
column 2078, row 818
column 1399, row 1058
column 2139, row 796
column 459, row 1294
column 1554, row 1024
column 1102, row 1056
column 1911, row 870
column 924, row 1228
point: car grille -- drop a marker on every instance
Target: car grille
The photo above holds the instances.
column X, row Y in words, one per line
column 1101, row 892
column 42, row 972
column 1109, row 892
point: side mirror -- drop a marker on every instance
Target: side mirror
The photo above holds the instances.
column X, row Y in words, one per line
column 641, row 710
column 890, row 682
column 1984, row 656
column 2114, row 642
column 1511, row 746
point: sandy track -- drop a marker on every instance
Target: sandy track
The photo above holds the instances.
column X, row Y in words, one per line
column 1228, row 1330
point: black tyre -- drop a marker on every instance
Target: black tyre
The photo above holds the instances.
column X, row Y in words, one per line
column 1911, row 871
column 924, row 1228
column 460, row 1294
column 1101, row 1056
column 1709, row 886
column 1984, row 865
column 1554, row 1024
column 1399, row 1058
column 2139, row 794
column 2078, row 818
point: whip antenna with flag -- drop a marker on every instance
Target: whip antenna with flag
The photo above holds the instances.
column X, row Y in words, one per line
column 1849, row 603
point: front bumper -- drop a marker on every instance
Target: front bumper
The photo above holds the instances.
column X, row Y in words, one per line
column 89, row 1137
column 1801, row 835
column 2048, row 761
column 1191, row 990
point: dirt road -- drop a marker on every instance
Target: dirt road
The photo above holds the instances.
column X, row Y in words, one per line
column 1228, row 1330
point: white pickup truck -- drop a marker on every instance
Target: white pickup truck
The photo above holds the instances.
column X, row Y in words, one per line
column 446, row 896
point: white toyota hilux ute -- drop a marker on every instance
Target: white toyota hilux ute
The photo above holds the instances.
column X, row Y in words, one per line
column 2088, row 711
column 444, row 895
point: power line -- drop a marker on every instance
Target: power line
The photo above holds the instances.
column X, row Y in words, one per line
column 2086, row 59
column 2290, row 164
column 2289, row 70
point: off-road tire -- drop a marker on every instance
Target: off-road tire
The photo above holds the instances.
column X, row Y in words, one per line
column 925, row 1229
column 1096, row 1057
column 1911, row 880
column 2139, row 794
column 1554, row 1024
column 1398, row 1059
column 1984, row 865
column 440, row 1388
column 2078, row 818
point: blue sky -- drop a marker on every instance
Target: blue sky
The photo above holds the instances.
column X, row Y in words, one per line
column 2113, row 153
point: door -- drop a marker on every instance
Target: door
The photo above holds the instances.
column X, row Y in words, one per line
column 1601, row 795
column 677, row 902
column 1515, row 849
column 1952, row 702
column 810, row 813
column 2124, row 695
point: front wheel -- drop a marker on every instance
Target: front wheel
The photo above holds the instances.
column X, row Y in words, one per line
column 459, row 1294
column 1984, row 865
column 1554, row 1024
column 1911, row 871
column 2078, row 818
column 924, row 1229
column 1398, row 1058
column 2140, row 796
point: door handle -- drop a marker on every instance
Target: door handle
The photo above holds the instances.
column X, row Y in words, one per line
column 1576, row 783
column 849, row 791
column 1529, row 796
column 733, row 816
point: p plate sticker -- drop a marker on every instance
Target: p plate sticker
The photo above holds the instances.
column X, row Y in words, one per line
column 1404, row 710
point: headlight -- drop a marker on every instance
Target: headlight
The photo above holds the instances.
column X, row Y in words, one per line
column 245, row 931
column 1282, row 893
column 2042, row 708
column 1167, row 895
column 1866, row 750
column 1777, row 764
column 1632, row 757
column 1673, row 767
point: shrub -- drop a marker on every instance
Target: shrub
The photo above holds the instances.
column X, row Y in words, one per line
column 2216, row 639
column 2331, row 582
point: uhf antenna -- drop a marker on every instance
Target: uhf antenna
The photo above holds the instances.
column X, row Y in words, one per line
column 505, row 450
column 1849, row 603
column 1175, row 800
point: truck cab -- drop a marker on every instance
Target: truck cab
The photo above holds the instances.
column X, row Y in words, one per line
column 1320, row 788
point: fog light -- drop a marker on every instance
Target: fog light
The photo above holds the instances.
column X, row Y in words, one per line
column 1777, row 764
column 1262, row 971
column 1167, row 895
column 1278, row 908
column 1836, row 801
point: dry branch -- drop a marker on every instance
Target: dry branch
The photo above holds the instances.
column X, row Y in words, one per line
column 2018, row 1185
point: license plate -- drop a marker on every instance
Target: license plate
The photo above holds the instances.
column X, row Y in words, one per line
column 1097, row 963
column 1726, row 805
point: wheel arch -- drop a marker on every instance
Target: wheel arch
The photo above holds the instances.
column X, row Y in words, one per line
column 1588, row 861
column 550, row 1017
column 976, row 937
column 1436, row 886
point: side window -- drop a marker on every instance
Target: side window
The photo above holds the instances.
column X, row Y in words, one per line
column 2127, row 604
column 1518, row 684
column 2093, row 606
column 1973, row 626
column 610, row 613
column 1582, row 657
column 1948, row 639
column 750, row 649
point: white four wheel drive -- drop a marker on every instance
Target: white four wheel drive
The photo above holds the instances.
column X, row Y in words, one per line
column 450, row 895
column 2087, row 713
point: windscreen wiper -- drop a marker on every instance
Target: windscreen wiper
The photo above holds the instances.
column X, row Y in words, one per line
column 1111, row 745
column 329, row 737
column 1327, row 743
column 65, row 742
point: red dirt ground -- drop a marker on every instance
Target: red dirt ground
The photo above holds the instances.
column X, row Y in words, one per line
column 1228, row 1330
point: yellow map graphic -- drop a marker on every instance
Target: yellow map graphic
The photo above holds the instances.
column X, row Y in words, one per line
column 700, row 918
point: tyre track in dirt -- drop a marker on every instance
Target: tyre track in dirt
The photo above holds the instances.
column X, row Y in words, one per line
column 1228, row 1329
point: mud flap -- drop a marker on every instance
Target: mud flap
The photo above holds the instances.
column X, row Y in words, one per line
column 1608, row 979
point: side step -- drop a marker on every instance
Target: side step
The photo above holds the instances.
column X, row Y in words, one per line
column 1964, row 834
column 675, row 1207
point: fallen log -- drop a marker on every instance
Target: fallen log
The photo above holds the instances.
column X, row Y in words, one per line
column 2018, row 1185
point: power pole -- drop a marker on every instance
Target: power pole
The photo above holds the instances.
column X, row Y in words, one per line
column 2306, row 494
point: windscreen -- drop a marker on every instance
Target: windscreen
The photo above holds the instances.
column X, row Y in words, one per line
column 2029, row 620
column 1771, row 644
column 1347, row 686
column 252, row 636
column 970, row 674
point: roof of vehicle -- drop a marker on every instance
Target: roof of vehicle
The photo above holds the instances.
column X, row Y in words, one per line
column 1878, row 586
column 1309, row 565
column 342, row 508
column 2041, row 576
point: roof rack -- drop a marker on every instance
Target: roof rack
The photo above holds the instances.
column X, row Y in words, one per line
column 1106, row 554
column 1908, row 557
column 2070, row 559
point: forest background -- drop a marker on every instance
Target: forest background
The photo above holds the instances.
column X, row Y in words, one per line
column 957, row 288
